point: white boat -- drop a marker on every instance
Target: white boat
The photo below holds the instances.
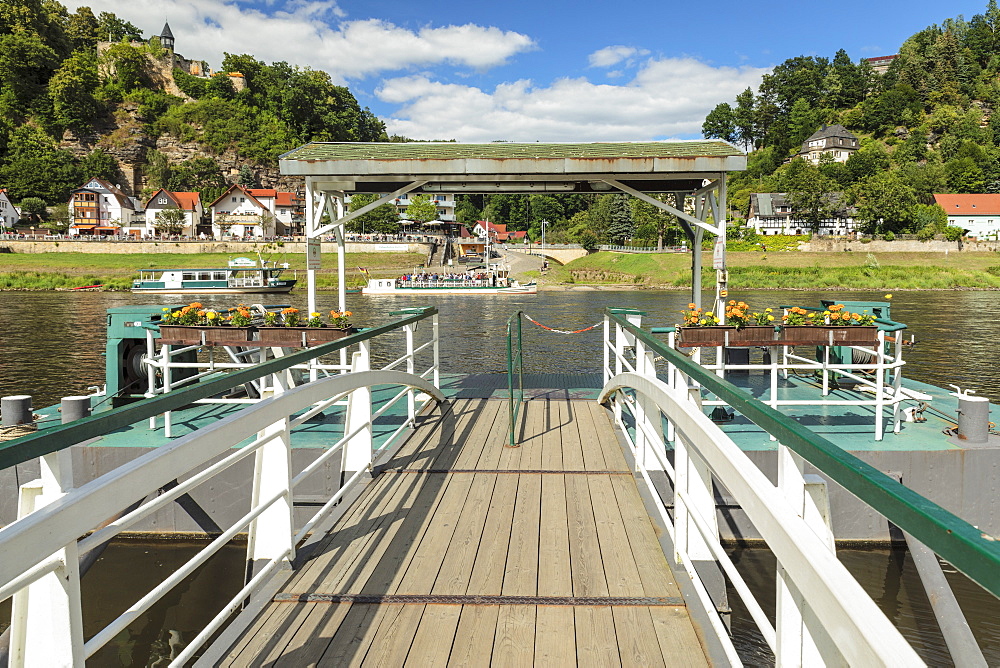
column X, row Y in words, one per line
column 493, row 282
column 242, row 276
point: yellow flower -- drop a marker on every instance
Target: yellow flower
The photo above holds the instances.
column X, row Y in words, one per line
column 176, row 314
column 211, row 315
column 314, row 315
column 166, row 309
column 888, row 296
column 770, row 318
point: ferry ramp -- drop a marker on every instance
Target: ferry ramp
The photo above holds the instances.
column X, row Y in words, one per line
column 462, row 551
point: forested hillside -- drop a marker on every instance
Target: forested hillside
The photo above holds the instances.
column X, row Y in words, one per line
column 69, row 110
column 930, row 124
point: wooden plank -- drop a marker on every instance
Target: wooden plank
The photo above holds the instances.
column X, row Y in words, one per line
column 296, row 615
column 514, row 643
column 555, row 636
column 256, row 636
column 616, row 553
column 477, row 438
column 521, row 570
column 585, row 551
column 474, row 639
column 572, row 452
column 441, row 448
column 679, row 642
column 596, row 643
column 348, row 639
column 488, row 568
column 552, row 457
column 495, row 445
column 312, row 639
column 423, row 566
column 638, row 645
column 456, row 568
column 654, row 572
column 605, row 435
column 590, row 444
column 429, row 432
column 435, row 636
column 343, row 554
column 394, row 638
column 554, row 574
column 532, row 435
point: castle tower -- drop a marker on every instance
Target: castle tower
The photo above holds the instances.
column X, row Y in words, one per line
column 167, row 37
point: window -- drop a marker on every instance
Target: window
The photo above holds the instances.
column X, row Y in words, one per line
column 234, row 199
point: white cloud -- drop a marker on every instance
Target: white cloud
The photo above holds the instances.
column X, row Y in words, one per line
column 610, row 56
column 298, row 33
column 668, row 97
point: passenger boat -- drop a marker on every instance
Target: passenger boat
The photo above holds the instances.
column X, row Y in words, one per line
column 242, row 276
column 492, row 282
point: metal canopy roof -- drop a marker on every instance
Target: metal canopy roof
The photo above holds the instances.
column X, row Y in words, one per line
column 509, row 167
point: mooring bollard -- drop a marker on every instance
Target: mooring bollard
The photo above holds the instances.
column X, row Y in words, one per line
column 74, row 408
column 15, row 410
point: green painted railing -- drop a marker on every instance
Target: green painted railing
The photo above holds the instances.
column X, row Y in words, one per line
column 964, row 546
column 515, row 359
column 58, row 438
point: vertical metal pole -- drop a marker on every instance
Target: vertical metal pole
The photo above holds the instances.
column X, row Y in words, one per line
column 606, row 368
column 880, row 386
column 801, row 641
column 410, row 368
column 437, row 350
column 312, row 223
column 358, row 451
column 47, row 615
column 167, row 386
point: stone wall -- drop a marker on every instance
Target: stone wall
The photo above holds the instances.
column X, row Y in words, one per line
column 188, row 247
column 837, row 245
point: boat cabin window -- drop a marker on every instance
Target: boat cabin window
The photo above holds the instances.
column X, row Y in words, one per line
column 189, row 276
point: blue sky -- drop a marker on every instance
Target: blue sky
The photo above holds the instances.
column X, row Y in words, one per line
column 537, row 71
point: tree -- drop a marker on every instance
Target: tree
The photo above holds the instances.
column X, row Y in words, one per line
column 802, row 121
column 83, row 30
column 745, row 119
column 382, row 219
column 421, row 208
column 809, row 193
column 34, row 167
column 247, row 178
column 126, row 66
column 110, row 28
column 102, row 165
column 621, row 227
column 72, row 90
column 33, row 209
column 58, row 222
column 466, row 212
column 169, row 221
column 720, row 123
column 652, row 222
column 224, row 222
column 26, row 64
column 157, row 169
column 884, row 203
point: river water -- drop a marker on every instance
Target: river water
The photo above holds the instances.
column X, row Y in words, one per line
column 52, row 345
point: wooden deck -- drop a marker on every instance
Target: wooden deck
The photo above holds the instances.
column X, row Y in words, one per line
column 466, row 552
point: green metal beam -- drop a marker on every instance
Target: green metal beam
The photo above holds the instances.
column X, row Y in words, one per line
column 52, row 440
column 968, row 549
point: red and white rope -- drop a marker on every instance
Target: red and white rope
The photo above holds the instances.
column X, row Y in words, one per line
column 561, row 331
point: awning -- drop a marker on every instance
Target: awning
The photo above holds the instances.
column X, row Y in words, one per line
column 84, row 227
column 113, row 229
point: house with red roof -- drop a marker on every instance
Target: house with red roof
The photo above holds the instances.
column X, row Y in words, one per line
column 188, row 202
column 99, row 208
column 977, row 214
column 256, row 212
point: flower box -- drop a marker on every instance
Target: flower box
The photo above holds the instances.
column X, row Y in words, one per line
column 300, row 337
column 825, row 335
column 752, row 335
column 206, row 336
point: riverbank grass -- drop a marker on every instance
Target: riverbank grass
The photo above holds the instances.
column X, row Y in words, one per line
column 795, row 270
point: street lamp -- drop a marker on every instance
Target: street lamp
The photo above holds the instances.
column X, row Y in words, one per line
column 544, row 223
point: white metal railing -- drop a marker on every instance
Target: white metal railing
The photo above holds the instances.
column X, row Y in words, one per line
column 823, row 615
column 41, row 550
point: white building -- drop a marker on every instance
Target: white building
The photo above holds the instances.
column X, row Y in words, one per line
column 101, row 209
column 187, row 202
column 9, row 215
column 238, row 213
column 978, row 214
column 833, row 140
column 771, row 214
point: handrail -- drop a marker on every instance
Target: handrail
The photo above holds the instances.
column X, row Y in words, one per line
column 971, row 551
column 61, row 437
column 514, row 403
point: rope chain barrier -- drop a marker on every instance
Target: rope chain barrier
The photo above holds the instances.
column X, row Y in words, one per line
column 561, row 331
